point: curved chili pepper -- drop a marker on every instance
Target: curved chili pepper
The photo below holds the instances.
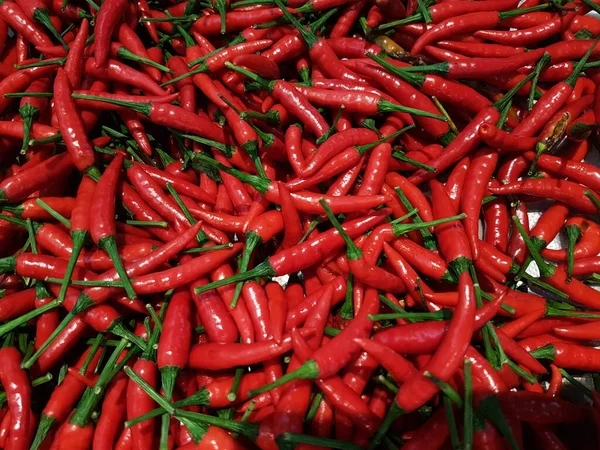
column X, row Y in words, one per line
column 445, row 360
column 564, row 191
column 217, row 322
column 103, row 230
column 529, row 35
column 113, row 412
column 64, row 397
column 502, row 140
column 71, row 126
column 468, row 139
column 107, row 20
column 18, row 390
column 466, row 23
column 16, row 18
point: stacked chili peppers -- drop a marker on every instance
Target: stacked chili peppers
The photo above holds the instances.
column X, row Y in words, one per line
column 268, row 224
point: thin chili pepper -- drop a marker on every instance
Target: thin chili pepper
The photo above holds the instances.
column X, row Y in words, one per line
column 502, row 140
column 452, row 238
column 106, row 22
column 557, row 277
column 79, row 429
column 18, row 390
column 113, row 412
column 291, row 99
column 360, row 102
column 529, row 35
column 340, row 162
column 16, row 18
column 407, row 95
column 467, row 23
column 456, row 181
column 64, row 397
column 103, row 230
column 564, row 191
column 480, row 50
column 168, row 115
column 445, row 360
column 21, row 185
column 217, row 322
column 446, row 10
column 468, row 139
column 551, row 101
column 482, row 166
column 71, row 126
column 320, row 51
column 121, row 73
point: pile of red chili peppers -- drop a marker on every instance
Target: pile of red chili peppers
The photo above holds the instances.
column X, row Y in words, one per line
column 291, row 224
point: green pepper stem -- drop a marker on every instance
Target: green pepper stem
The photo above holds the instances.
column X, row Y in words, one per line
column 394, row 412
column 83, row 302
column 508, row 97
column 352, row 250
column 518, row 12
column 140, row 107
column 43, row 17
column 307, row 371
column 62, row 219
column 82, row 415
column 572, row 79
column 264, row 269
column 468, row 406
column 542, row 62
column 125, row 53
column 109, row 245
column 546, row 270
column 309, row 37
column 363, row 148
column 203, row 68
column 201, row 398
column 428, row 239
column 252, row 241
column 27, row 113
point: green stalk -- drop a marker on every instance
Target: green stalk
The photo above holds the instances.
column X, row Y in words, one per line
column 62, row 219
column 27, row 113
column 109, row 245
column 43, row 16
column 128, row 55
column 92, row 396
column 428, row 239
column 449, row 412
column 78, row 237
column 540, row 65
column 468, row 407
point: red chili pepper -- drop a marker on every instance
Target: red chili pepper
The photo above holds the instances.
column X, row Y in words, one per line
column 564, row 191
column 18, row 390
column 502, row 140
column 112, row 414
column 71, row 126
column 16, row 18
column 213, row 313
column 468, row 139
column 465, row 24
column 452, row 238
column 103, row 230
column 529, row 35
column 482, row 166
column 445, row 360
column 539, row 408
column 217, row 356
column 64, row 397
column 107, row 20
